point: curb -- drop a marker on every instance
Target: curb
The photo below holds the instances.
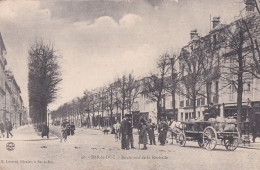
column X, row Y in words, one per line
column 248, row 147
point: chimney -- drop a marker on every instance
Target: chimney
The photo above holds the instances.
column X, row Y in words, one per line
column 193, row 33
column 216, row 21
column 250, row 6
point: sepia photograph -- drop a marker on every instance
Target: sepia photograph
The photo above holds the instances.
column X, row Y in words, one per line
column 129, row 84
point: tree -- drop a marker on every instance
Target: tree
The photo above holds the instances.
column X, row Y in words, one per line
column 44, row 77
column 171, row 86
column 192, row 73
column 154, row 85
column 132, row 91
column 241, row 65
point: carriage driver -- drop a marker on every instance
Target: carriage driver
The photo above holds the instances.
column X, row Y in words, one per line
column 211, row 112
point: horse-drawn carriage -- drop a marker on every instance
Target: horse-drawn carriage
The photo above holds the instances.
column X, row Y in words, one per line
column 208, row 134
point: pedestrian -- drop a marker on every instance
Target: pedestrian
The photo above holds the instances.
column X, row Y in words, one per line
column 45, row 130
column 2, row 129
column 143, row 134
column 72, row 128
column 8, row 128
column 63, row 130
column 254, row 131
column 211, row 112
column 130, row 132
column 151, row 127
column 163, row 128
column 124, row 133
column 116, row 128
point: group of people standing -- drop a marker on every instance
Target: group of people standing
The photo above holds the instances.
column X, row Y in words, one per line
column 67, row 129
column 8, row 127
column 146, row 132
column 126, row 131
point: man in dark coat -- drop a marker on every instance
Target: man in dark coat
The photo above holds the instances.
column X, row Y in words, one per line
column 8, row 128
column 254, row 131
column 124, row 132
column 211, row 112
column 2, row 129
column 151, row 127
column 72, row 128
column 45, row 130
column 163, row 128
column 143, row 134
column 130, row 133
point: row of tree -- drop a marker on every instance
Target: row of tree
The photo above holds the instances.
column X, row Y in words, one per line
column 229, row 54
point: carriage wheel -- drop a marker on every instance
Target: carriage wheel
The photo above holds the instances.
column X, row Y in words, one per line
column 231, row 143
column 200, row 141
column 210, row 138
column 181, row 139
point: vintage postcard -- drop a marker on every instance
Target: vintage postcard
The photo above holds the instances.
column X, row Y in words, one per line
column 129, row 84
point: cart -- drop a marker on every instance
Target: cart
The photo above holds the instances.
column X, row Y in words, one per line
column 207, row 135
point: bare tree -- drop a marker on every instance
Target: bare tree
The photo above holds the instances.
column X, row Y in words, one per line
column 192, row 73
column 240, row 67
column 154, row 85
column 44, row 77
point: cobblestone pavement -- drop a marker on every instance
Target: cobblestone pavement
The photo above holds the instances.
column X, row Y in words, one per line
column 91, row 149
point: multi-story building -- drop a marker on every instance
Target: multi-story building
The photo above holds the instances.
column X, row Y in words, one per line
column 11, row 103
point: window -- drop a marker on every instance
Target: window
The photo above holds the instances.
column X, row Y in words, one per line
column 198, row 102
column 190, row 115
column 181, row 116
column 187, row 103
column 198, row 114
column 248, row 87
column 181, row 103
column 202, row 101
column 186, row 116
column 191, row 103
column 193, row 115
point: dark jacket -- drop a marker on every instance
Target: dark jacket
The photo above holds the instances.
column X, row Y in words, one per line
column 124, row 127
column 8, row 126
column 2, row 128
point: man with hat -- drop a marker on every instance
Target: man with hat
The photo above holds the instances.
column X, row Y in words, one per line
column 163, row 128
column 143, row 133
column 124, row 133
column 211, row 112
column 151, row 132
column 130, row 131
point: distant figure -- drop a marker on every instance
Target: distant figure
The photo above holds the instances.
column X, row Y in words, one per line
column 124, row 132
column 72, row 128
column 254, row 131
column 130, row 133
column 63, row 130
column 2, row 129
column 8, row 128
column 151, row 128
column 163, row 128
column 45, row 130
column 143, row 134
column 211, row 112
column 116, row 127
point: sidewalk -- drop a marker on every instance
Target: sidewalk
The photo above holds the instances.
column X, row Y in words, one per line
column 252, row 145
column 26, row 133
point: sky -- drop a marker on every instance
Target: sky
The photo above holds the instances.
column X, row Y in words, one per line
column 103, row 39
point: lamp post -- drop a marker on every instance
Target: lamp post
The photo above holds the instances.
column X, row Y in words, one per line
column 48, row 117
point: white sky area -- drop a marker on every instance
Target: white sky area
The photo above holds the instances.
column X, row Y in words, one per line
column 101, row 40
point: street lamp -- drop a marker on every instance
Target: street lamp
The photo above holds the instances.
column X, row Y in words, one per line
column 48, row 117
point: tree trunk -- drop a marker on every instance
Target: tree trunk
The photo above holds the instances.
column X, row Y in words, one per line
column 158, row 110
column 194, row 106
column 173, row 104
column 240, row 92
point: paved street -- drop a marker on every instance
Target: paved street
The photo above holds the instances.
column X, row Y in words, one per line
column 91, row 149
